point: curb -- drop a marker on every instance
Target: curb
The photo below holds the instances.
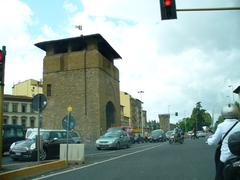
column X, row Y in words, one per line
column 37, row 169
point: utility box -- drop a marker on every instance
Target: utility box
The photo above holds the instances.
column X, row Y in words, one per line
column 75, row 153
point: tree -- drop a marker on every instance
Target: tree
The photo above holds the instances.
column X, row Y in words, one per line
column 199, row 118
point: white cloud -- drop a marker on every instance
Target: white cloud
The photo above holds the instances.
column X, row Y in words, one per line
column 70, row 7
column 176, row 63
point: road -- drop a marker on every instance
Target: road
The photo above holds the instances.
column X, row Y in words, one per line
column 192, row 160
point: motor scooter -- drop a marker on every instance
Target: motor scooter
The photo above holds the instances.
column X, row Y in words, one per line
column 174, row 138
column 231, row 170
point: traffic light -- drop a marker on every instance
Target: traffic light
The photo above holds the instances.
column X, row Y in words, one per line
column 168, row 9
column 2, row 64
column 176, row 113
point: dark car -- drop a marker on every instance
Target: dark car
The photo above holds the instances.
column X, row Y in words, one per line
column 51, row 145
column 11, row 134
column 157, row 135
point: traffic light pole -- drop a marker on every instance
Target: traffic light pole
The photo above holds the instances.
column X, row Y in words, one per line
column 1, row 122
column 210, row 9
column 3, row 54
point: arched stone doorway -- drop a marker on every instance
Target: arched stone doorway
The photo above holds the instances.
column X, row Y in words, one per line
column 110, row 114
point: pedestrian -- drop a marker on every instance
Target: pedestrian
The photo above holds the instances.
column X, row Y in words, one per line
column 229, row 126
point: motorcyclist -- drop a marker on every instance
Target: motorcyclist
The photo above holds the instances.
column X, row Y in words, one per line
column 229, row 114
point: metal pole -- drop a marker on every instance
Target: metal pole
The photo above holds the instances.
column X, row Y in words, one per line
column 210, row 9
column 69, row 110
column 1, row 121
column 1, row 103
column 38, row 136
column 68, row 117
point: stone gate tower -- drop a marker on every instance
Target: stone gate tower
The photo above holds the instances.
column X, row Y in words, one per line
column 80, row 72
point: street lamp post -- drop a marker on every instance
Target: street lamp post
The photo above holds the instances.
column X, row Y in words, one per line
column 141, row 92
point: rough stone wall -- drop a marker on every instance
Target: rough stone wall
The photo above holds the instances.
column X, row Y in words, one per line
column 66, row 74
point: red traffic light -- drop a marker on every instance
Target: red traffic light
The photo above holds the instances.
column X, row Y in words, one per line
column 167, row 3
column 1, row 56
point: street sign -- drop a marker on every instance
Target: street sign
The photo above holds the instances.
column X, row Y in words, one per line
column 39, row 102
column 71, row 124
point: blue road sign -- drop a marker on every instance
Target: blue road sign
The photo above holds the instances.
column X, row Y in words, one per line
column 71, row 124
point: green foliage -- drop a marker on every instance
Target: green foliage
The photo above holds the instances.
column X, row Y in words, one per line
column 199, row 118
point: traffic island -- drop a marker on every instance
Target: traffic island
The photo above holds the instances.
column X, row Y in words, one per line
column 33, row 170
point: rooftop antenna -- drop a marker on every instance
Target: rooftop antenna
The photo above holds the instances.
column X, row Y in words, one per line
column 79, row 27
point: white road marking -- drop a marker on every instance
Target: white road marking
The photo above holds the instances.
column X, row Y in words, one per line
column 96, row 163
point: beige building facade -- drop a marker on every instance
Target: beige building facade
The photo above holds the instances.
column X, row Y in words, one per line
column 28, row 88
column 132, row 111
column 18, row 110
column 80, row 72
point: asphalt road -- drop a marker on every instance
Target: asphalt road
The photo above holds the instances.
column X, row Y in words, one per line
column 192, row 160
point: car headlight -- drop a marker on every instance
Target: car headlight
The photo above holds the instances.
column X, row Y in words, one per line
column 33, row 146
column 12, row 145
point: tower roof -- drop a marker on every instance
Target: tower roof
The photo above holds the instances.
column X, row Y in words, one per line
column 103, row 46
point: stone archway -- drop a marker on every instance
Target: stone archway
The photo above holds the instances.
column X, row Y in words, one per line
column 110, row 114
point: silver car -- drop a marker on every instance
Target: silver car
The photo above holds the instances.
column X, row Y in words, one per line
column 113, row 140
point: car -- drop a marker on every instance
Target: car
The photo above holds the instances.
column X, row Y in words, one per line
column 201, row 134
column 157, row 135
column 113, row 140
column 73, row 134
column 168, row 134
column 11, row 134
column 51, row 140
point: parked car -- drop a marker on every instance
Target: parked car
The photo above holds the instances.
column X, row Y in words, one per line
column 113, row 139
column 157, row 135
column 12, row 133
column 51, row 139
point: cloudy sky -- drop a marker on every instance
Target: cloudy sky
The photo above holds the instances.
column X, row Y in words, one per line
column 177, row 63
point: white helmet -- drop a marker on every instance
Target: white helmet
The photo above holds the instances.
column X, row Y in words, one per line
column 229, row 111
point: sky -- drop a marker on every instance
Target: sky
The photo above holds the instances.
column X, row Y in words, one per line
column 176, row 63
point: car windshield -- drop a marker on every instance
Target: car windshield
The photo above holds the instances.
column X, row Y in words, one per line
column 111, row 134
column 44, row 134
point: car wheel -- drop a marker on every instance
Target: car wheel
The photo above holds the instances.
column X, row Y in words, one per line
column 43, row 155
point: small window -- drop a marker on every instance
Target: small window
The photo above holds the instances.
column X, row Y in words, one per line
column 24, row 122
column 49, row 89
column 14, row 120
column 32, row 122
column 14, row 107
column 24, row 108
column 5, row 107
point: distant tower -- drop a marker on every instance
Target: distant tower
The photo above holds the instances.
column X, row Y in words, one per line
column 164, row 120
column 80, row 72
